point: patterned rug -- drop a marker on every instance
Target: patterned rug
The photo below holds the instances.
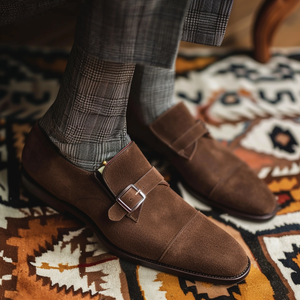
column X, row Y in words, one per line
column 252, row 108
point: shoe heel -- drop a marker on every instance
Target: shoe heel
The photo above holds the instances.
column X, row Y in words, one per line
column 33, row 188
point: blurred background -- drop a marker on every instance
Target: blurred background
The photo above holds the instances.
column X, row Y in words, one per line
column 55, row 27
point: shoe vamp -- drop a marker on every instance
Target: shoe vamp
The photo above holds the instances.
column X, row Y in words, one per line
column 162, row 216
column 210, row 163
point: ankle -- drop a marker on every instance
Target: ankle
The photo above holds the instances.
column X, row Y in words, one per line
column 86, row 155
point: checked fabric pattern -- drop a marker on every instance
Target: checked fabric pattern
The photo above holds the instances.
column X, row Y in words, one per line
column 254, row 109
column 72, row 122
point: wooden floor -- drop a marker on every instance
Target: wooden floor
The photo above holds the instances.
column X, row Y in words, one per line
column 55, row 28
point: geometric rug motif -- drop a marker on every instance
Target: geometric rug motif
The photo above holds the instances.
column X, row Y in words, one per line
column 251, row 108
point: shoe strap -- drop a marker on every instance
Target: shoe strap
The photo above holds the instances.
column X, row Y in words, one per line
column 189, row 137
column 130, row 200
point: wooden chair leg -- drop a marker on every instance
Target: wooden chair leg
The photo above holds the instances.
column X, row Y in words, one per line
column 269, row 17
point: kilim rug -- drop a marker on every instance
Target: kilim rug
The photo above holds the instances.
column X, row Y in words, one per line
column 253, row 109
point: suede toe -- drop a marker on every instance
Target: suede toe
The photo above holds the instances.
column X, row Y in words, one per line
column 244, row 191
column 210, row 250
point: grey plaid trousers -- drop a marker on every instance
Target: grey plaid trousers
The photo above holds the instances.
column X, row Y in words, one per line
column 136, row 31
column 86, row 123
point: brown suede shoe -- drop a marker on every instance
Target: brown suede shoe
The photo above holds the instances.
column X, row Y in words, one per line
column 209, row 171
column 134, row 213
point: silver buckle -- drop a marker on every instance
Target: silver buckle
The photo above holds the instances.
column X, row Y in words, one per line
column 124, row 205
